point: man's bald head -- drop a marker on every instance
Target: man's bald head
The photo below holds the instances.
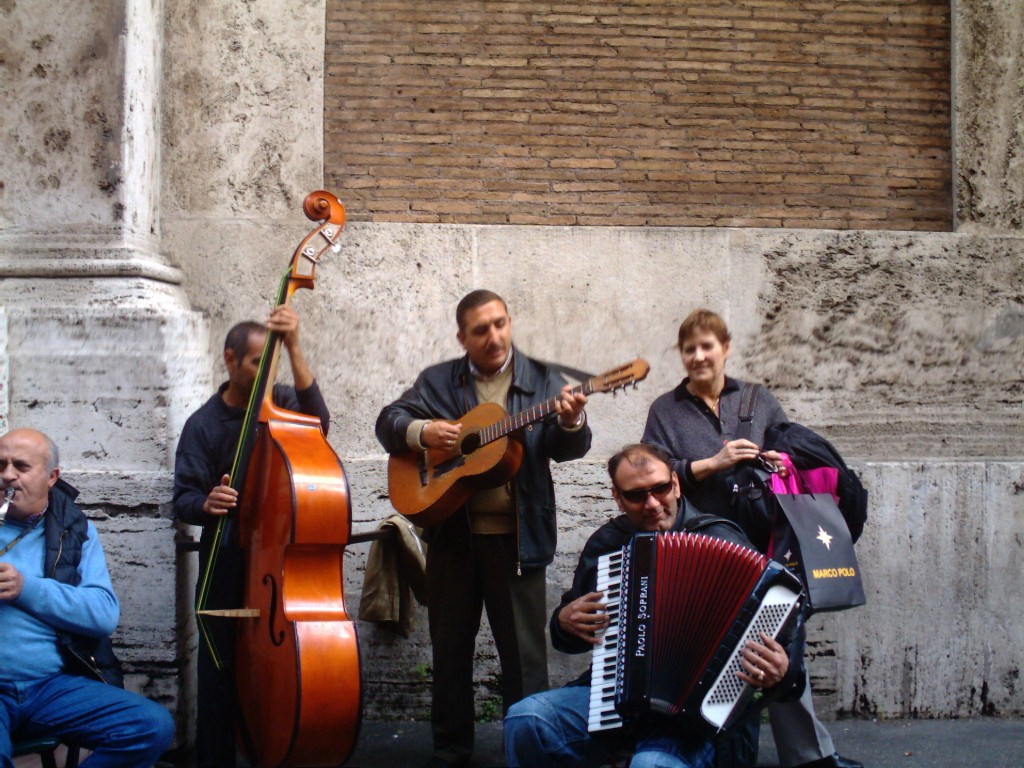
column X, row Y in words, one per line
column 30, row 464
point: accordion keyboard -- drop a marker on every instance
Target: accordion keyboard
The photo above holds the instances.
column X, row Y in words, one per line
column 603, row 662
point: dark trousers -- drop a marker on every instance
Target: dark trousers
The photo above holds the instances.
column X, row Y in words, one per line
column 800, row 737
column 215, row 711
column 216, row 705
column 467, row 573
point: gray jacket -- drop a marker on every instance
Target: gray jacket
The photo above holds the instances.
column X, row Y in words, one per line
column 690, row 431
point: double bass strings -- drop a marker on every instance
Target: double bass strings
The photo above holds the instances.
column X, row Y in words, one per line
column 239, row 467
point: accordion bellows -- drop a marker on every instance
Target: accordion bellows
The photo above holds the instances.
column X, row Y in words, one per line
column 681, row 608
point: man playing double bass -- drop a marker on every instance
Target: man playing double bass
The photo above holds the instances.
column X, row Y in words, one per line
column 493, row 551
column 202, row 494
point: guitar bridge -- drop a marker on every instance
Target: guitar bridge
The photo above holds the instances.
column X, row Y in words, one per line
column 424, row 475
column 447, row 466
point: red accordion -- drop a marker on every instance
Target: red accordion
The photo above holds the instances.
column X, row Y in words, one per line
column 681, row 608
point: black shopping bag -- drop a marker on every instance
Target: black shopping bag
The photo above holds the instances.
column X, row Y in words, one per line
column 812, row 539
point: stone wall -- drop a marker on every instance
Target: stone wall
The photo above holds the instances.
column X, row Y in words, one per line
column 153, row 175
column 913, row 457
column 103, row 351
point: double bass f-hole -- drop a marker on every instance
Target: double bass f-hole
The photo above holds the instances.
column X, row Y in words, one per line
column 277, row 638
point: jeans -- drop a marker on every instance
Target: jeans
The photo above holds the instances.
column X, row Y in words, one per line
column 549, row 730
column 123, row 729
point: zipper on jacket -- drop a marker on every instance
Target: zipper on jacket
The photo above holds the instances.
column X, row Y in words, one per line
column 510, row 405
column 60, row 551
column 90, row 663
column 519, row 525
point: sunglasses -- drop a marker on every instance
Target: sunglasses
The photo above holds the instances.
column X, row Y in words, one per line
column 639, row 495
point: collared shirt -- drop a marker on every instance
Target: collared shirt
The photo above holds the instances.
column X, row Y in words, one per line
column 682, row 424
column 481, row 376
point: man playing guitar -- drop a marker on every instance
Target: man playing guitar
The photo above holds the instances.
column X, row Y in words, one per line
column 492, row 551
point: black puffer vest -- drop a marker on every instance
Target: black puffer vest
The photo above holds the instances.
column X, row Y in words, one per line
column 66, row 530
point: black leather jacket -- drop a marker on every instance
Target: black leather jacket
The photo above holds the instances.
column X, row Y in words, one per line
column 446, row 391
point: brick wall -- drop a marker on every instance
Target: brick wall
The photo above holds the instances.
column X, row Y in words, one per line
column 746, row 113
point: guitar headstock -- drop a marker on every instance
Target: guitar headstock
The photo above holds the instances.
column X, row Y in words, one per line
column 622, row 377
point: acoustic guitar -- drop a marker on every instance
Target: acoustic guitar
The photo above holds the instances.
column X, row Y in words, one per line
column 429, row 485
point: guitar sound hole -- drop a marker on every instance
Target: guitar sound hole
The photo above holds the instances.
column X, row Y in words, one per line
column 470, row 443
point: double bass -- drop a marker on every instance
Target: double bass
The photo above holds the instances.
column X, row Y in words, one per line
column 296, row 669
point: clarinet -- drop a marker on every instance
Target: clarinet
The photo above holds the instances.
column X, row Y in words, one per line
column 8, row 497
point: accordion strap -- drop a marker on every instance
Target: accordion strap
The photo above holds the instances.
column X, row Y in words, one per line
column 702, row 520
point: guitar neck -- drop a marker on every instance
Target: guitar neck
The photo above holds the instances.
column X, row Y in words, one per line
column 531, row 415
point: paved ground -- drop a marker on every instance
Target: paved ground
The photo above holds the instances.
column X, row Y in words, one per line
column 981, row 743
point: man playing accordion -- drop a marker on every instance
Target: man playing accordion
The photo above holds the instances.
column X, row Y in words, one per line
column 552, row 729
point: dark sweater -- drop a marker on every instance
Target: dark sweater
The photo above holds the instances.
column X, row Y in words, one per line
column 207, row 446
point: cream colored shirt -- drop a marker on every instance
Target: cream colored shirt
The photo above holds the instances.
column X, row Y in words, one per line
column 492, row 510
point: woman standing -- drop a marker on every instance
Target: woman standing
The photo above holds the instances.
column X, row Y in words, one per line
column 698, row 423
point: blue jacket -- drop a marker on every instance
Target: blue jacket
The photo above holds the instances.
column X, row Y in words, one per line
column 447, row 391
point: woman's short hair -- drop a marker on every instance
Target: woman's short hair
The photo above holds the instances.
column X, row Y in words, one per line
column 704, row 320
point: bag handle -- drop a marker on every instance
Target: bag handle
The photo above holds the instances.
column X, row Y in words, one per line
column 748, row 397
